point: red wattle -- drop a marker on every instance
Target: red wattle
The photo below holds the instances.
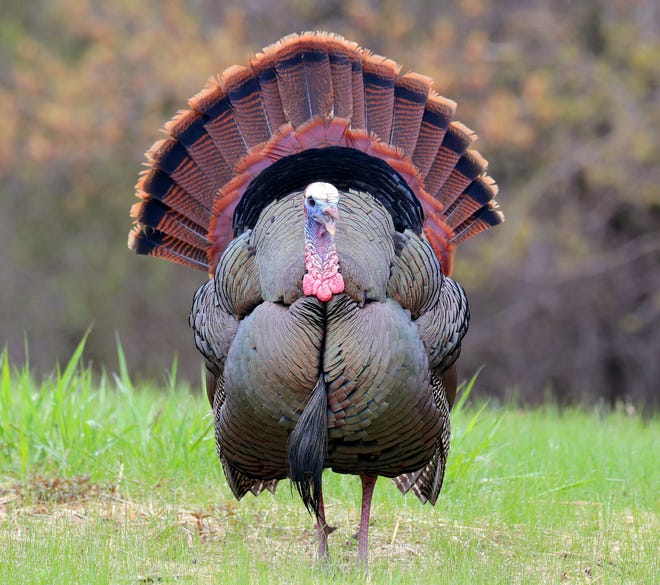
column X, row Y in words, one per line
column 322, row 278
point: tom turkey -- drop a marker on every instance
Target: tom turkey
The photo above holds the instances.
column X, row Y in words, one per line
column 325, row 195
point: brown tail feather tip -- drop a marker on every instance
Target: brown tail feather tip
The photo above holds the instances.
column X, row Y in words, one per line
column 307, row 91
column 206, row 96
column 181, row 122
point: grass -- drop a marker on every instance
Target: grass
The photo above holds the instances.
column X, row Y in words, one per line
column 102, row 482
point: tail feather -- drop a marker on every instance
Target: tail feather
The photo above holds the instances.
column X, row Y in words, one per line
column 341, row 70
column 263, row 65
column 164, row 219
column 486, row 217
column 171, row 157
column 145, row 240
column 308, row 91
column 178, row 192
column 410, row 94
column 304, row 79
column 471, row 192
column 167, row 204
column 188, row 128
column 359, row 117
column 438, row 113
column 244, row 94
column 379, row 76
column 213, row 102
column 157, row 185
column 455, row 142
column 470, row 166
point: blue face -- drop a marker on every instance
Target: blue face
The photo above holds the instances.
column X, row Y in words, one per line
column 322, row 212
column 321, row 201
column 312, row 206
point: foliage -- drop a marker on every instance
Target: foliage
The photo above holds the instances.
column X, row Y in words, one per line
column 106, row 481
column 74, row 426
column 565, row 97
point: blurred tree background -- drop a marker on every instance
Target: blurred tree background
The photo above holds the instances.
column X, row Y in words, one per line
column 565, row 97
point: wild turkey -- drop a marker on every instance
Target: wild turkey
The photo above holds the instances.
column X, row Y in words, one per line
column 325, row 194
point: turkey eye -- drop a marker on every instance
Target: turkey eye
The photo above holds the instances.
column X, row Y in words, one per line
column 312, row 203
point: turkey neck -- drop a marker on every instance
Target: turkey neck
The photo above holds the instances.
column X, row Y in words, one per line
column 320, row 243
column 322, row 277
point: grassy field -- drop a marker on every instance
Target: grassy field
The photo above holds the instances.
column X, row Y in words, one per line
column 101, row 482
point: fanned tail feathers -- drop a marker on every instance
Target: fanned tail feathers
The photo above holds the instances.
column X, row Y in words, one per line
column 313, row 90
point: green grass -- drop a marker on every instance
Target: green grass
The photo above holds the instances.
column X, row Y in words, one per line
column 102, row 482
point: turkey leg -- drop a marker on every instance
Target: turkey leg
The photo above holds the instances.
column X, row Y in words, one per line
column 368, row 484
column 323, row 530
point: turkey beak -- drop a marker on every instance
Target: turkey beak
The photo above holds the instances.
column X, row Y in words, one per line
column 330, row 214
